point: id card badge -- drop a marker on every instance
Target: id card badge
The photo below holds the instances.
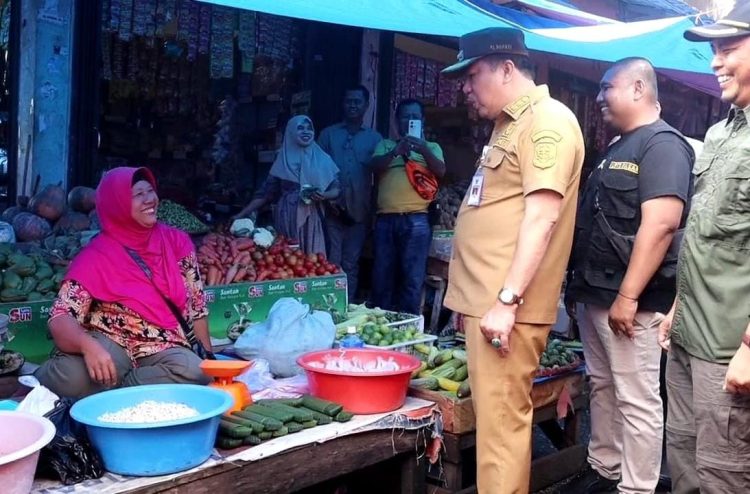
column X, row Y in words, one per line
column 475, row 189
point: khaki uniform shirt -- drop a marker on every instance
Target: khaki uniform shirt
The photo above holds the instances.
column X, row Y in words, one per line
column 713, row 272
column 536, row 145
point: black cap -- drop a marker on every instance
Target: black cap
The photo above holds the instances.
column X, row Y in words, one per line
column 735, row 23
column 473, row 46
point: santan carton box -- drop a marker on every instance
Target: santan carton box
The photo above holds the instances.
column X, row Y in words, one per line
column 233, row 307
column 229, row 306
column 28, row 325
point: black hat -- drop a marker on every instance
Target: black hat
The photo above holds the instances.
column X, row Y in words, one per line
column 473, row 46
column 735, row 23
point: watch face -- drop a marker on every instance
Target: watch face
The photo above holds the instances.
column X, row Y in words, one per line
column 506, row 296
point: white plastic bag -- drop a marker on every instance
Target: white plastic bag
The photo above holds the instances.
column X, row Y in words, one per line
column 39, row 401
column 290, row 331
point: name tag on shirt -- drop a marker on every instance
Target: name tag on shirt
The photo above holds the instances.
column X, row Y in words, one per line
column 475, row 189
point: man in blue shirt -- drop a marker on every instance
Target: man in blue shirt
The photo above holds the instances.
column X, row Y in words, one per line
column 351, row 145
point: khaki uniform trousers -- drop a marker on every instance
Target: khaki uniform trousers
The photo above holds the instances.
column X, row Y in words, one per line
column 501, row 390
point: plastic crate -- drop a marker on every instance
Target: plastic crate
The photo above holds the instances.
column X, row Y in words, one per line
column 407, row 346
column 417, row 321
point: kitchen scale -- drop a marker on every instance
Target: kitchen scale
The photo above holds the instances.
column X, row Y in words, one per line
column 224, row 372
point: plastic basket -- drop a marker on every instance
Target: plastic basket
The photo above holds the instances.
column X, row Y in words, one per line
column 417, row 321
column 407, row 346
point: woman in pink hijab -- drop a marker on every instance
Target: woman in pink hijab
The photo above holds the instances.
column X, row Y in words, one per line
column 110, row 322
column 301, row 179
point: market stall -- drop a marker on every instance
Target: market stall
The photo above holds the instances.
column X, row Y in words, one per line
column 558, row 397
column 293, row 462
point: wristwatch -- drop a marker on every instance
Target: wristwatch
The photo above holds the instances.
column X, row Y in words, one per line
column 746, row 339
column 507, row 297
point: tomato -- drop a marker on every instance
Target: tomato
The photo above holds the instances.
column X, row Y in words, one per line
column 298, row 271
column 279, row 260
column 313, row 258
column 292, row 259
column 257, row 255
column 261, row 263
column 269, row 259
column 320, row 270
column 275, row 249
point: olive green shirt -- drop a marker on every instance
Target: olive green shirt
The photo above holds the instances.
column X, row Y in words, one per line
column 713, row 279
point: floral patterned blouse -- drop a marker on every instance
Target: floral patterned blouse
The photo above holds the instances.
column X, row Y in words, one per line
column 124, row 326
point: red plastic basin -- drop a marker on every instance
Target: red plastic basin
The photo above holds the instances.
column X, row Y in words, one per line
column 359, row 392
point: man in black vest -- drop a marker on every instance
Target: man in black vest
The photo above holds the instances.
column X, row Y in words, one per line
column 628, row 229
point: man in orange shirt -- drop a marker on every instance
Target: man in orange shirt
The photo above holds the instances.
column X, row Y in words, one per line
column 511, row 245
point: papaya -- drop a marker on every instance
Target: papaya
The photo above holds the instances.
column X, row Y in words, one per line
column 21, row 264
column 12, row 295
column 46, row 285
column 28, row 284
column 43, row 271
column 34, row 296
column 11, row 280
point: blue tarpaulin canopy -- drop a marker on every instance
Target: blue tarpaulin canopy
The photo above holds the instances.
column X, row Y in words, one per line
column 659, row 40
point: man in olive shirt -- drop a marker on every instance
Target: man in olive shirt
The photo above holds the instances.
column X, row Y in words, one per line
column 708, row 370
column 351, row 145
column 511, row 245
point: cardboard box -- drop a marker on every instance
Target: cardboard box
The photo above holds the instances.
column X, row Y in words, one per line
column 458, row 413
column 242, row 302
column 28, row 325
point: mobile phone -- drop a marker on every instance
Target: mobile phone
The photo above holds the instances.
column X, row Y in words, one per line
column 415, row 128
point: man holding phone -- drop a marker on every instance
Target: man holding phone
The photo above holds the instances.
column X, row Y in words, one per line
column 406, row 171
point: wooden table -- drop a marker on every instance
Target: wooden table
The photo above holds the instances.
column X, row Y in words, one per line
column 458, row 458
column 310, row 465
column 460, row 450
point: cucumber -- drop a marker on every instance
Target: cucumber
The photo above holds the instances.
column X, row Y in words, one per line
column 265, row 435
column 322, row 406
column 343, row 416
column 267, row 422
column 270, row 412
column 298, row 414
column 309, row 424
column 464, row 390
column 281, row 432
column 320, row 418
column 424, row 383
column 251, row 440
column 228, row 442
column 293, row 427
column 292, row 402
column 255, row 426
column 461, row 373
column 230, row 429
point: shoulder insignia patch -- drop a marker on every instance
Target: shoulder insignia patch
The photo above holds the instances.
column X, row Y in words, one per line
column 545, row 148
column 518, row 106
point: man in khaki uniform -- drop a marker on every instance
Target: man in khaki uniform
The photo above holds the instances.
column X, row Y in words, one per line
column 511, row 246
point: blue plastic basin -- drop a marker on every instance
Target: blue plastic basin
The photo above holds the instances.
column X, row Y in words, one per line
column 153, row 448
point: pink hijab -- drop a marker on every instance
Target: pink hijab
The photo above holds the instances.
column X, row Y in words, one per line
column 107, row 271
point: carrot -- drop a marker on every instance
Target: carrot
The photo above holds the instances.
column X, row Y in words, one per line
column 231, row 273
column 241, row 272
column 213, row 275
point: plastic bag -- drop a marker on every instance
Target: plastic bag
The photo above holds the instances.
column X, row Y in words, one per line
column 290, row 330
column 70, row 456
column 262, row 385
